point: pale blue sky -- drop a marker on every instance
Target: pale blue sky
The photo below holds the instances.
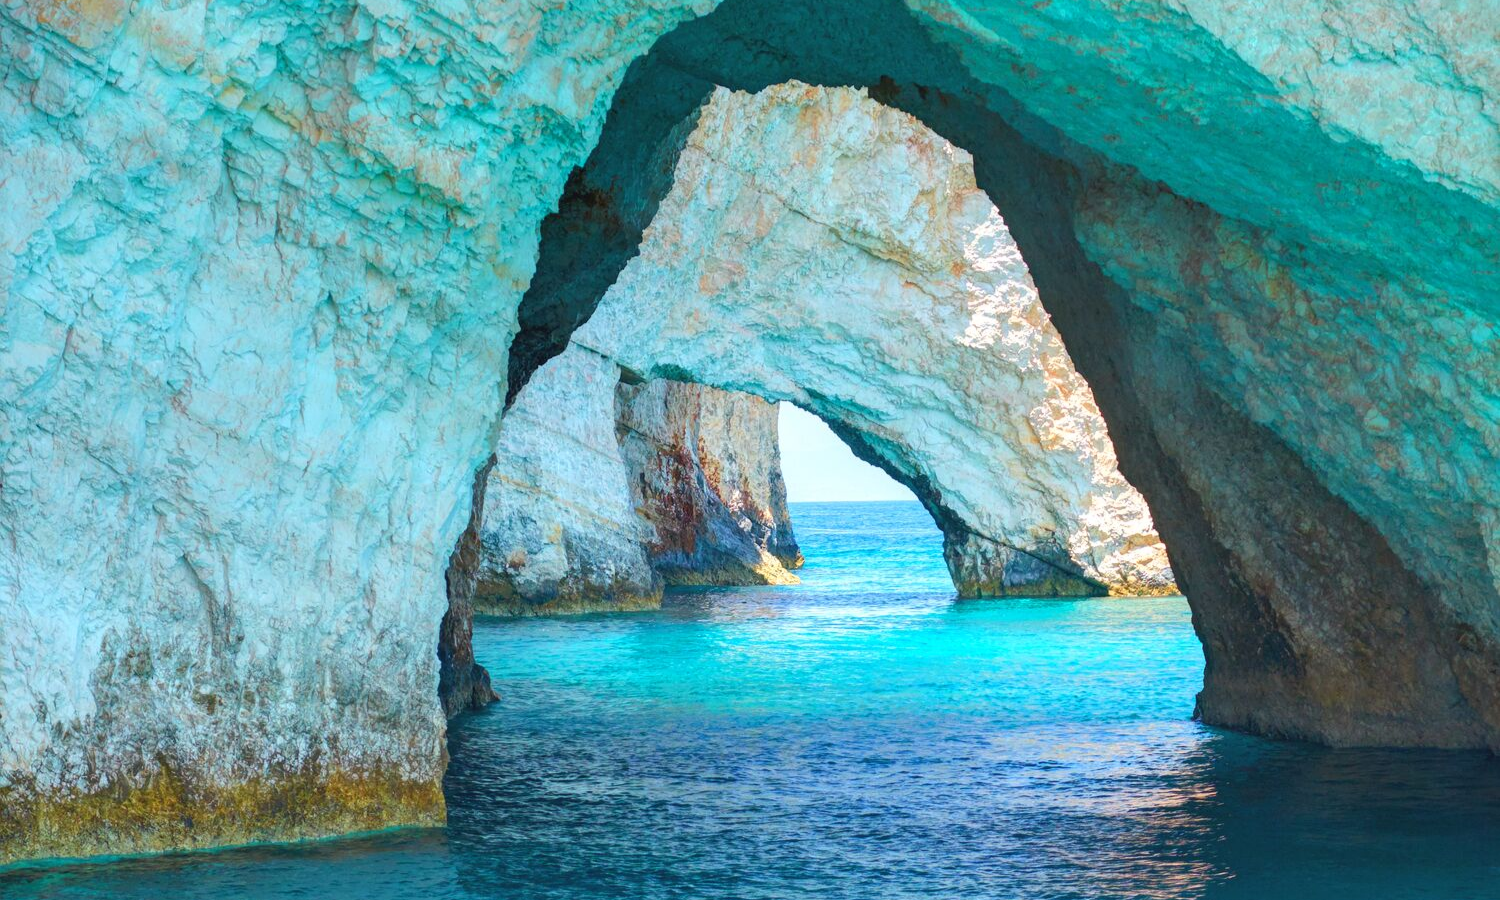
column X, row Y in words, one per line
column 819, row 467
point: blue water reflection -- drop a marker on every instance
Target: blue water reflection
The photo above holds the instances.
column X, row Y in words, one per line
column 864, row 735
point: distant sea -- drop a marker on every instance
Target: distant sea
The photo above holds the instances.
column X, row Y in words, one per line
column 865, row 735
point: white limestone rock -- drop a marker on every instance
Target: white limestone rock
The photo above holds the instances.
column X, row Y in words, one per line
column 259, row 265
column 560, row 530
column 820, row 248
column 602, row 492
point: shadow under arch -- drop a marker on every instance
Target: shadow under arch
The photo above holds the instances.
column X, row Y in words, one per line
column 1292, row 628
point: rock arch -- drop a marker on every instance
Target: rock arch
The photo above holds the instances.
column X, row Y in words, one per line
column 262, row 263
column 603, row 492
column 821, row 249
column 1174, row 286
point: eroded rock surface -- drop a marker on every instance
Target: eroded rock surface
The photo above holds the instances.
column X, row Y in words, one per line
column 261, row 262
column 560, row 530
column 705, row 473
column 260, row 265
column 602, row 492
column 820, row 248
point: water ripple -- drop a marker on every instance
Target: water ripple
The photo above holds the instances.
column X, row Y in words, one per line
column 863, row 735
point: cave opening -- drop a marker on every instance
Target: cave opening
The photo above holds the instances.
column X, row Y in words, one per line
column 819, row 467
column 1286, row 625
column 1004, row 534
column 265, row 264
column 736, row 685
column 903, row 318
column 901, row 343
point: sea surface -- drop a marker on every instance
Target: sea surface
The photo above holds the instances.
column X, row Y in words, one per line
column 866, row 735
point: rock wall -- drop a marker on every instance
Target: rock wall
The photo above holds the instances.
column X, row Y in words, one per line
column 262, row 261
column 705, row 473
column 601, row 492
column 260, row 266
column 560, row 531
column 820, row 248
column 1236, row 281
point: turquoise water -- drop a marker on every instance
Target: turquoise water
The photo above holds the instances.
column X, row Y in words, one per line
column 863, row 735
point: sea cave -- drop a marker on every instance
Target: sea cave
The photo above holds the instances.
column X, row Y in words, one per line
column 390, row 441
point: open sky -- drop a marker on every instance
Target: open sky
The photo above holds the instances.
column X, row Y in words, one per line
column 819, row 467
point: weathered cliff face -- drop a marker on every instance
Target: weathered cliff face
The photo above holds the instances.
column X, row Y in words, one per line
column 705, row 473
column 820, row 248
column 601, row 492
column 560, row 530
column 260, row 266
column 1213, row 275
column 261, row 263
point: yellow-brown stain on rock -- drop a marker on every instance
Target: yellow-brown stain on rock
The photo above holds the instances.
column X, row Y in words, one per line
column 172, row 811
column 84, row 22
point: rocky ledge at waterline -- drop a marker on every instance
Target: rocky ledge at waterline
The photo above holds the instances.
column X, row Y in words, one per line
column 263, row 264
column 601, row 492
